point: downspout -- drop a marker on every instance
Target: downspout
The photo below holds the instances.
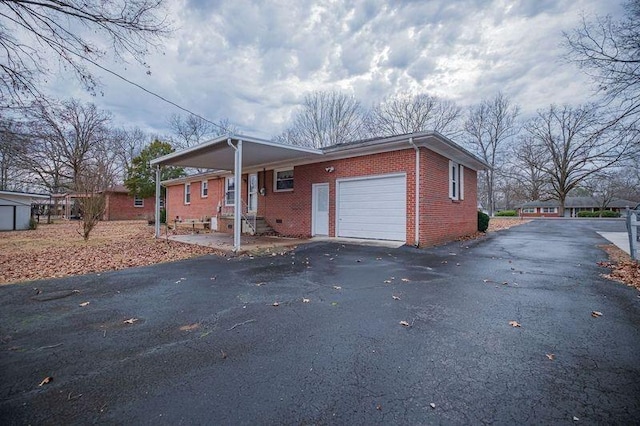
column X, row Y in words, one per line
column 157, row 206
column 417, row 194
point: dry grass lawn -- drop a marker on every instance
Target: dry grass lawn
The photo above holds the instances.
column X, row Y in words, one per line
column 58, row 250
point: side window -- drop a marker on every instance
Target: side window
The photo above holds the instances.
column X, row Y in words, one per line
column 187, row 193
column 138, row 201
column 456, row 181
column 230, row 191
column 204, row 189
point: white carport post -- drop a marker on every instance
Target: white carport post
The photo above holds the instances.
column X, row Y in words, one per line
column 157, row 209
column 237, row 186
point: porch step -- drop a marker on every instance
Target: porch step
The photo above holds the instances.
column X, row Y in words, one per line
column 262, row 227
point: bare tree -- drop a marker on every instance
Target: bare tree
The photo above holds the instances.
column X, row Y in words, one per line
column 607, row 50
column 572, row 146
column 408, row 113
column 325, row 119
column 489, row 126
column 12, row 148
column 96, row 177
column 192, row 130
column 32, row 31
column 127, row 144
column 525, row 169
column 65, row 138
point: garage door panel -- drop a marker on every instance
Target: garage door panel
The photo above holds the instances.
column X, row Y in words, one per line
column 373, row 208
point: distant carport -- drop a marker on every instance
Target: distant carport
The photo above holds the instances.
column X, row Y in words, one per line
column 230, row 153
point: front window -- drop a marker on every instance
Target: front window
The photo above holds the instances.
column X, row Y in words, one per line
column 187, row 193
column 549, row 210
column 138, row 201
column 230, row 191
column 204, row 189
column 283, row 180
column 529, row 210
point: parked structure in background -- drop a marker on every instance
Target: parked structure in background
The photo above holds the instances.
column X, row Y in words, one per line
column 15, row 209
column 419, row 188
column 573, row 206
column 119, row 205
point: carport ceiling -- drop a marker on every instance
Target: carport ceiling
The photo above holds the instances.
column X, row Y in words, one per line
column 217, row 154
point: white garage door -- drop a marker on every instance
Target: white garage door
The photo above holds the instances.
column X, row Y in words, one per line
column 373, row 207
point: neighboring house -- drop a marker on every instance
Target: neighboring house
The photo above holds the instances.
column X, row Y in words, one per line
column 120, row 205
column 15, row 209
column 419, row 188
column 572, row 205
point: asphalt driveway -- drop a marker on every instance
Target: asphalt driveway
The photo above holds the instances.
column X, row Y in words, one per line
column 208, row 346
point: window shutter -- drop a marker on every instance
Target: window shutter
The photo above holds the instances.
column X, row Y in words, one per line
column 461, row 183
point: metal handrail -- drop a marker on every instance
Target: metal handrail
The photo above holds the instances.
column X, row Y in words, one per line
column 250, row 220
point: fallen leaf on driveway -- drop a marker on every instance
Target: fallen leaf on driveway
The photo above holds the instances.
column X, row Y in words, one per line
column 444, row 262
column 432, row 405
column 378, row 407
column 275, row 304
column 596, row 314
column 337, row 287
column 395, row 297
column 189, row 327
column 306, row 300
column 46, row 380
column 406, row 324
column 130, row 320
column 83, row 304
column 551, row 356
column 575, row 419
column 387, row 281
column 405, row 280
column 514, row 323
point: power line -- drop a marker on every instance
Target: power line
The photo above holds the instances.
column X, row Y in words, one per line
column 150, row 92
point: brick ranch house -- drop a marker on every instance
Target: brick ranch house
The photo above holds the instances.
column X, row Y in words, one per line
column 572, row 206
column 119, row 205
column 418, row 188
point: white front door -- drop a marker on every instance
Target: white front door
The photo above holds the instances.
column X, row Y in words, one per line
column 320, row 209
column 253, row 193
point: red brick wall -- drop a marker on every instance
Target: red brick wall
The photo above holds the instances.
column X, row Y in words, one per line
column 119, row 206
column 441, row 218
column 199, row 207
column 294, row 208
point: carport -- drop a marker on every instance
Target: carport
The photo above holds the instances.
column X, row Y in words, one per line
column 230, row 153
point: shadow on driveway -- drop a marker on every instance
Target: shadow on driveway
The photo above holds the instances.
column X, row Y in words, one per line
column 209, row 346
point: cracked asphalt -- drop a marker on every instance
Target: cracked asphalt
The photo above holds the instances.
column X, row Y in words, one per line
column 209, row 347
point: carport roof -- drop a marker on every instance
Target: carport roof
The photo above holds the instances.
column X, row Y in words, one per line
column 219, row 155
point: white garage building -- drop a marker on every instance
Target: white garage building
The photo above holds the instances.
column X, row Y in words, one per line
column 15, row 209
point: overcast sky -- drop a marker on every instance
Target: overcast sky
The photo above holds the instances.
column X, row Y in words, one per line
column 253, row 61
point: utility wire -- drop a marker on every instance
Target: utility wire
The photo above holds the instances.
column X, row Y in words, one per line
column 150, row 92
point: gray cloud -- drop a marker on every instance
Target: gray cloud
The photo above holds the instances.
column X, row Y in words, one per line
column 253, row 61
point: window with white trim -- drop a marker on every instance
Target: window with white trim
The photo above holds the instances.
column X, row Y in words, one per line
column 230, row 191
column 204, row 189
column 283, row 180
column 138, row 201
column 187, row 193
column 529, row 210
column 456, row 181
column 549, row 210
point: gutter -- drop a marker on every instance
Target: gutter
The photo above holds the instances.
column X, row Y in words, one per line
column 417, row 194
